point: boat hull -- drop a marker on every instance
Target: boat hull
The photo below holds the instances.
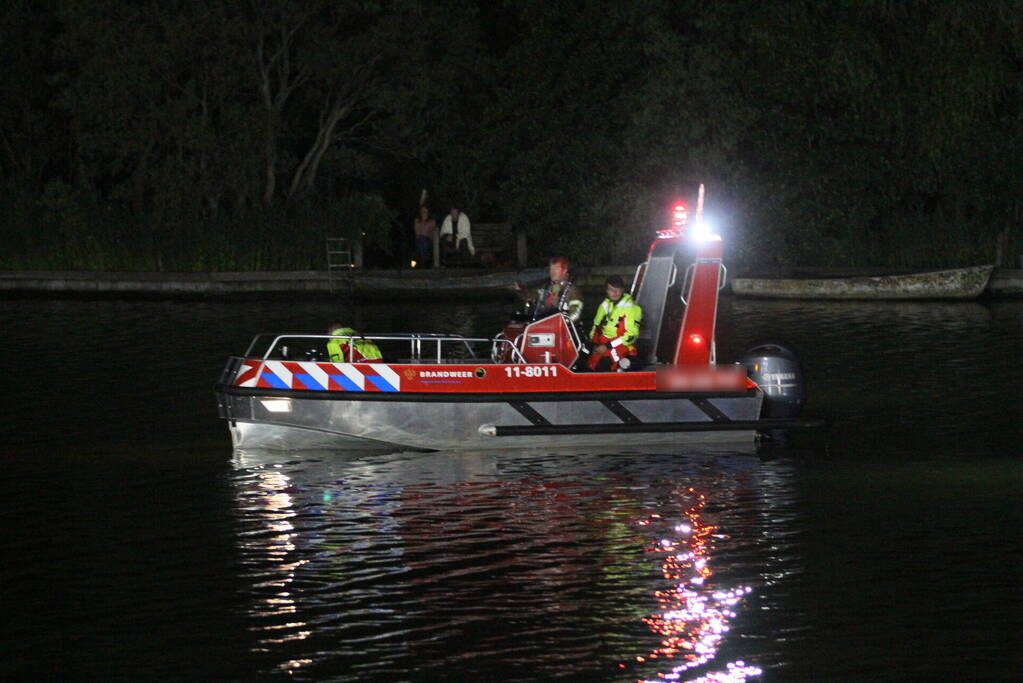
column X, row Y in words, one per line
column 959, row 283
column 310, row 420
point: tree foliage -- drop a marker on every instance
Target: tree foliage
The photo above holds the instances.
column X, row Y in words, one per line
column 222, row 135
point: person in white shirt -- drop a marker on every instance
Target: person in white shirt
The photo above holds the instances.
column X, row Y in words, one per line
column 456, row 228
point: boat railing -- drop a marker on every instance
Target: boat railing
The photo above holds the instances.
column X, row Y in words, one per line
column 422, row 347
column 637, row 277
column 227, row 375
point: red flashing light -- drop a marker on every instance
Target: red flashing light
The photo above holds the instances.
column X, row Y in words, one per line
column 679, row 215
column 679, row 218
column 695, row 339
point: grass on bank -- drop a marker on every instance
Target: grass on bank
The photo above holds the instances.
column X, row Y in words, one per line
column 66, row 232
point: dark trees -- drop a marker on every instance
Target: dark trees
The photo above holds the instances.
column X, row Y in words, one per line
column 229, row 135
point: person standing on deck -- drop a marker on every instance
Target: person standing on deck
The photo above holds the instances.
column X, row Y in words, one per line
column 558, row 294
column 615, row 329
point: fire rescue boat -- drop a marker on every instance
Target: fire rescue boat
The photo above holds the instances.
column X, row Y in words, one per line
column 522, row 389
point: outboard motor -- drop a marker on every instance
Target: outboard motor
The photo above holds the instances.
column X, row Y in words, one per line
column 777, row 371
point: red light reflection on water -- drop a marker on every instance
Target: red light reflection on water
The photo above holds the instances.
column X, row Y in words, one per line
column 691, row 618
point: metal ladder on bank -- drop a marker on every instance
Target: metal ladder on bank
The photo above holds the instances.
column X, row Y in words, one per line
column 339, row 260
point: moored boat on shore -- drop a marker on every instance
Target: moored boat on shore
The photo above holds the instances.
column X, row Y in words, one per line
column 956, row 283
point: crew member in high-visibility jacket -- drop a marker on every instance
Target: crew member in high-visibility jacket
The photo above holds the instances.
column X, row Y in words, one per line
column 348, row 347
column 615, row 329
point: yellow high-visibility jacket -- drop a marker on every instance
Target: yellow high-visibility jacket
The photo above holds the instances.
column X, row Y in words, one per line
column 364, row 349
column 618, row 322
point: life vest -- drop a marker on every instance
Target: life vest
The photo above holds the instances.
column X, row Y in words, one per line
column 555, row 296
column 616, row 328
column 618, row 321
column 362, row 349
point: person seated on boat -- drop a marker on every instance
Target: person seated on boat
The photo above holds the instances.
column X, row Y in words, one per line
column 349, row 347
column 558, row 294
column 615, row 329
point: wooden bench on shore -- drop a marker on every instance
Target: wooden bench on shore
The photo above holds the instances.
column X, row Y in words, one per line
column 498, row 244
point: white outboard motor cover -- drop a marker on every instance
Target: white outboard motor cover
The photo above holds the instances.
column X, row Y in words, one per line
column 777, row 371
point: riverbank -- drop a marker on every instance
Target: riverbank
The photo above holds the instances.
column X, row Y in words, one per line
column 1006, row 283
column 421, row 284
column 366, row 284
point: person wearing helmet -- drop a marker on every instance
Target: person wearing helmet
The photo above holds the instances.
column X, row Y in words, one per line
column 348, row 346
column 615, row 329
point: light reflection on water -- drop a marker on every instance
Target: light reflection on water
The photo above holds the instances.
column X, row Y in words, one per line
column 693, row 615
column 141, row 550
column 515, row 565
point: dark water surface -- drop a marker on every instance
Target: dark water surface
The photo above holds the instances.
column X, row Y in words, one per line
column 140, row 547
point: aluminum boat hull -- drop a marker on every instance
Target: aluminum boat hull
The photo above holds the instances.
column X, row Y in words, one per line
column 291, row 420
